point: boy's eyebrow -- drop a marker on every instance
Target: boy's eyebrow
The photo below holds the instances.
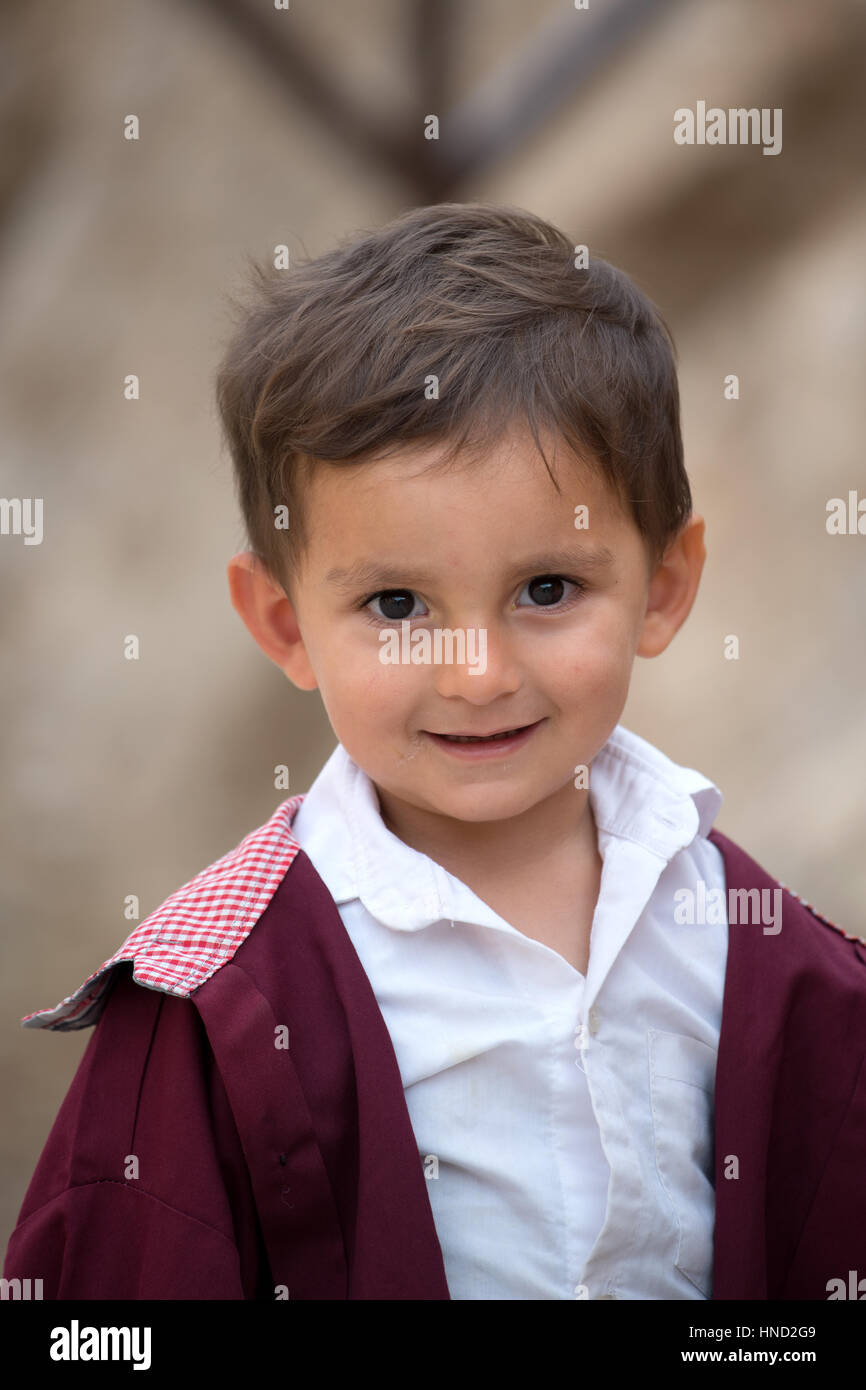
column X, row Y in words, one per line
column 369, row 574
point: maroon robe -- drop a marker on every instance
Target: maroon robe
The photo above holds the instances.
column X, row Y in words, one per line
column 268, row 1171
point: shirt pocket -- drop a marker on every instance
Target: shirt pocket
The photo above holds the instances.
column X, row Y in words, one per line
column 682, row 1088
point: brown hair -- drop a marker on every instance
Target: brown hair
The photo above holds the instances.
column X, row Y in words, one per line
column 329, row 360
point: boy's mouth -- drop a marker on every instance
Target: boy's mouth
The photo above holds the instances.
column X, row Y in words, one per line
column 501, row 740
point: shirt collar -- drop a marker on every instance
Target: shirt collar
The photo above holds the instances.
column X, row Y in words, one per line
column 637, row 793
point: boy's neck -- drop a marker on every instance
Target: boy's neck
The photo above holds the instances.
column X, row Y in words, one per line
column 560, row 830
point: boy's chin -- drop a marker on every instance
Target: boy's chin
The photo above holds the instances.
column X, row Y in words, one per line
column 477, row 805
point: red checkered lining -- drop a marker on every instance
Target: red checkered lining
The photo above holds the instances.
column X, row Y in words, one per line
column 197, row 929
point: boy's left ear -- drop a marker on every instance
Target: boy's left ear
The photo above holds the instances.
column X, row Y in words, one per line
column 673, row 588
column 270, row 617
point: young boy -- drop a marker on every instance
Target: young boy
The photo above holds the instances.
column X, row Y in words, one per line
column 493, row 1011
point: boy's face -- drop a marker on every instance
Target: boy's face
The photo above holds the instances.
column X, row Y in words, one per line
column 459, row 549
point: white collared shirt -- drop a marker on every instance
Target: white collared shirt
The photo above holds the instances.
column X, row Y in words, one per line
column 565, row 1123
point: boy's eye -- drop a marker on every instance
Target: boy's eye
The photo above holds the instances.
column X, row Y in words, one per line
column 547, row 590
column 396, row 605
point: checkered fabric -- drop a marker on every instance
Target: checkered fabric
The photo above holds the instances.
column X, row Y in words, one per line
column 197, row 929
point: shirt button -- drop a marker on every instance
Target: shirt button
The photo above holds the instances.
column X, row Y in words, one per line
column 594, row 1020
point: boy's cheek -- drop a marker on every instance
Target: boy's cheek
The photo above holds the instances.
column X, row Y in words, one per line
column 590, row 666
column 364, row 689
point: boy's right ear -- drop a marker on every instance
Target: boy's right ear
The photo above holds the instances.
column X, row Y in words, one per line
column 270, row 617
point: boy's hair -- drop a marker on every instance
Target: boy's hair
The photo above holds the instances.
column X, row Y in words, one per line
column 331, row 360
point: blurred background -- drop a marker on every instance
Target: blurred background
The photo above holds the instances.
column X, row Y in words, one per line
column 259, row 127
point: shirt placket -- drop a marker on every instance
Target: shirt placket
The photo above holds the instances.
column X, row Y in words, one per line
column 628, row 1210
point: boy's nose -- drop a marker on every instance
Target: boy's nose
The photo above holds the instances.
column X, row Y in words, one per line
column 490, row 668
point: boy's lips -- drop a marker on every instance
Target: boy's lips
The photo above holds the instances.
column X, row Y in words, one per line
column 475, row 744
column 481, row 733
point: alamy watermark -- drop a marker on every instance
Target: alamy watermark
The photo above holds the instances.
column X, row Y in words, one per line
column 738, row 125
column 23, row 1290
column 424, row 647
column 854, row 1289
column 22, row 516
column 76, row 1343
column 745, row 906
